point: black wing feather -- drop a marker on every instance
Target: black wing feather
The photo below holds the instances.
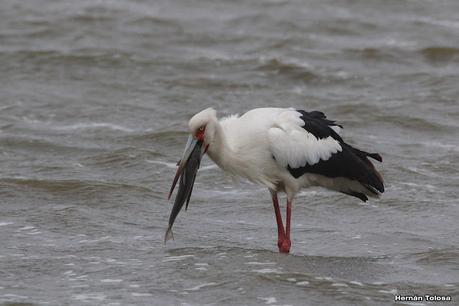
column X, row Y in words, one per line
column 349, row 163
column 317, row 124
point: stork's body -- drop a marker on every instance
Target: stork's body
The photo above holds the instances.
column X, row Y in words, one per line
column 286, row 150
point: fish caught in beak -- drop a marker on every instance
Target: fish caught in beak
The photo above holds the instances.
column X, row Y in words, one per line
column 187, row 168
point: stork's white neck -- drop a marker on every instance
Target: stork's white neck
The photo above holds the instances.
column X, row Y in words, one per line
column 219, row 150
column 230, row 156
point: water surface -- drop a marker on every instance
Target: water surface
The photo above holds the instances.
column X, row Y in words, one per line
column 94, row 101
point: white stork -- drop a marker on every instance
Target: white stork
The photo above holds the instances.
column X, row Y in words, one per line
column 282, row 149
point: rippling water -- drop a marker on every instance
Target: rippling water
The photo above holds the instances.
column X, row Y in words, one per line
column 94, row 100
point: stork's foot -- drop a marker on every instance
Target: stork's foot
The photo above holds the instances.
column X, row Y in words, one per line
column 279, row 243
column 284, row 246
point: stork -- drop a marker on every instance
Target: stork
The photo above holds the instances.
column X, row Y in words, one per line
column 283, row 149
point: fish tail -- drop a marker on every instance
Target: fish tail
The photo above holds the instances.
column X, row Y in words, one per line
column 169, row 235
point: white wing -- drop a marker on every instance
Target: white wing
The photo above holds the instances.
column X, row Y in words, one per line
column 294, row 146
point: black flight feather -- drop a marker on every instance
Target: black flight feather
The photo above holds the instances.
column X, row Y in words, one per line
column 348, row 163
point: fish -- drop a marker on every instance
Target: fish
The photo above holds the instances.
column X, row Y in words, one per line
column 188, row 167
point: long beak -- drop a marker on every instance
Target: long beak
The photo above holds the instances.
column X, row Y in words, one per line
column 190, row 144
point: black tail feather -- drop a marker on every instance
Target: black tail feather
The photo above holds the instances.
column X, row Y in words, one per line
column 375, row 156
column 361, row 154
column 359, row 195
column 374, row 181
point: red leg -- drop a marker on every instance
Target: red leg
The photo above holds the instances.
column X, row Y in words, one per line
column 286, row 243
column 280, row 225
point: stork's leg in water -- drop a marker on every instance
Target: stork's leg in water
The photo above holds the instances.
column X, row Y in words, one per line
column 286, row 243
column 280, row 225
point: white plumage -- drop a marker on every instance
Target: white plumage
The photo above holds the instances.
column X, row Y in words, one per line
column 292, row 145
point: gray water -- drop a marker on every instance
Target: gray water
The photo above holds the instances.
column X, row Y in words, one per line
column 94, row 102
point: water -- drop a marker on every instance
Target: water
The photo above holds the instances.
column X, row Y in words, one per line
column 94, row 101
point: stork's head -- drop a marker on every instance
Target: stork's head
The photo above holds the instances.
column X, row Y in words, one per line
column 202, row 128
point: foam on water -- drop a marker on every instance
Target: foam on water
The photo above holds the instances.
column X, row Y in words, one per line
column 111, row 280
column 89, row 297
column 177, row 258
column 266, row 271
column 302, row 283
column 77, row 126
column 141, row 294
column 268, row 300
column 198, row 287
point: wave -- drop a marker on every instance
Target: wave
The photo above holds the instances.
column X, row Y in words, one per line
column 144, row 24
column 453, row 24
column 33, row 144
column 378, row 54
column 47, row 125
column 123, row 158
column 162, row 163
column 448, row 256
column 91, row 126
column 82, row 56
column 290, row 68
column 166, row 137
column 440, row 53
column 64, row 186
column 404, row 54
column 413, row 123
column 440, row 145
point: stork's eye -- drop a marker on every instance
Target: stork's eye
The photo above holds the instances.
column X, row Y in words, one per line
column 200, row 132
